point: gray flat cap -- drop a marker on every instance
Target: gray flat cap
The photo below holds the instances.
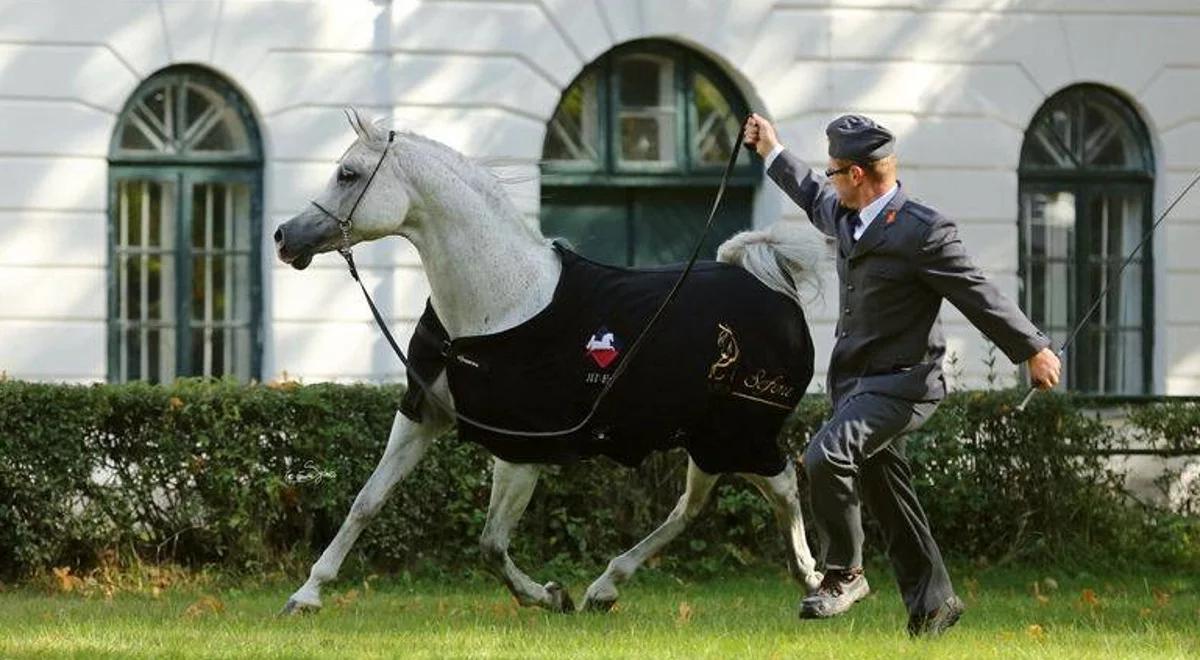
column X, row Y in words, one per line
column 857, row 138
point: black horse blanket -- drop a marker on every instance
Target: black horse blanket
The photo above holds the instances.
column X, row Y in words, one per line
column 724, row 366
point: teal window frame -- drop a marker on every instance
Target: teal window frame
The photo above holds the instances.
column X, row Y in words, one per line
column 688, row 172
column 184, row 171
column 1086, row 184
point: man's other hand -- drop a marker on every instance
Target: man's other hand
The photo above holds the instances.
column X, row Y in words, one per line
column 1044, row 369
column 760, row 135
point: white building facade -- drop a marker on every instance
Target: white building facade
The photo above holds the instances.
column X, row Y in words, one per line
column 135, row 238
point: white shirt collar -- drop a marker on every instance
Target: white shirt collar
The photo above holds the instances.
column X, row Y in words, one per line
column 868, row 212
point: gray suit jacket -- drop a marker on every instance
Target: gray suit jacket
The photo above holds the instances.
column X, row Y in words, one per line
column 891, row 283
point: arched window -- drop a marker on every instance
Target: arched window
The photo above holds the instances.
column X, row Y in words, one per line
column 1086, row 180
column 185, row 208
column 634, row 152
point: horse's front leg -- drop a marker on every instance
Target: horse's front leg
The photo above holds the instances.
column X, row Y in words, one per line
column 602, row 593
column 512, row 486
column 406, row 445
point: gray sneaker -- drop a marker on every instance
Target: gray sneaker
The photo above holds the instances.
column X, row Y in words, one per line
column 838, row 591
column 933, row 624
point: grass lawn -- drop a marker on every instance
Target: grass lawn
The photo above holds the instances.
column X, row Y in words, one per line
column 749, row 615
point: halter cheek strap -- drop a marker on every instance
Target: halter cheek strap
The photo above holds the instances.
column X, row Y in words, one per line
column 348, row 223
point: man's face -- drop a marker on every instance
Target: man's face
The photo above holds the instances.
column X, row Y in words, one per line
column 847, row 179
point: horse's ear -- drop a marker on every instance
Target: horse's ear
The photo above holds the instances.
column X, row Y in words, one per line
column 355, row 121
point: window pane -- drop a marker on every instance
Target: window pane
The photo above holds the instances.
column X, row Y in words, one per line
column 668, row 221
column 217, row 137
column 573, row 134
column 1108, row 356
column 183, row 114
column 220, row 290
column 645, row 82
column 213, row 126
column 647, row 112
column 1109, row 141
column 198, row 106
column 144, row 260
column 1051, row 142
column 593, row 220
column 1050, row 229
column 643, row 138
column 716, row 126
column 135, row 137
column 1049, row 220
column 1086, row 127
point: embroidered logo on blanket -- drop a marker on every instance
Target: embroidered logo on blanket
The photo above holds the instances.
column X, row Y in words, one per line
column 760, row 386
column 603, row 347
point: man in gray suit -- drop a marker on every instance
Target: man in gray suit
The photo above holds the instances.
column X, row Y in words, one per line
column 896, row 260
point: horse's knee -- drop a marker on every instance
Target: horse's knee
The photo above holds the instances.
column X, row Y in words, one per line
column 364, row 509
column 620, row 568
column 687, row 508
column 492, row 551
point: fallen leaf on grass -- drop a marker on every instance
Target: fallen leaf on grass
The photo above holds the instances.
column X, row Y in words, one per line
column 972, row 588
column 506, row 609
column 346, row 599
column 1088, row 597
column 1035, row 631
column 205, row 605
column 66, row 582
column 1161, row 598
column 685, row 613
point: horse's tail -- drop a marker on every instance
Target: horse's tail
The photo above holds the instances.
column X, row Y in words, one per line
column 783, row 256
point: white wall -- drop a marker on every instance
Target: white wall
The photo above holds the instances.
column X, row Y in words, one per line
column 958, row 80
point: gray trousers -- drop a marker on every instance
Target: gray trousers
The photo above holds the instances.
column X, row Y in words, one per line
column 860, row 453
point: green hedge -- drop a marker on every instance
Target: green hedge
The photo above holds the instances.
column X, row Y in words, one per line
column 204, row 473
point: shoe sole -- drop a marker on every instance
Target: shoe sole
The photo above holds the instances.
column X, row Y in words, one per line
column 806, row 613
column 950, row 621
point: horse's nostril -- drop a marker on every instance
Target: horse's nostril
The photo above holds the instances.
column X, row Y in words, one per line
column 279, row 236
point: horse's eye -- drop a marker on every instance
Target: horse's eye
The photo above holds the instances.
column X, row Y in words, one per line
column 346, row 175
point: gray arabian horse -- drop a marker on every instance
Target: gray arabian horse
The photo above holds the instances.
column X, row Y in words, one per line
column 489, row 271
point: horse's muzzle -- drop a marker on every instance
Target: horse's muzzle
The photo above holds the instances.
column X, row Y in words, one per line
column 296, row 259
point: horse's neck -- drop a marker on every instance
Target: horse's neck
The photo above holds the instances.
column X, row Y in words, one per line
column 487, row 272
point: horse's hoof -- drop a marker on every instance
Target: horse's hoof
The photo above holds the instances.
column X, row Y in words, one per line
column 598, row 605
column 294, row 607
column 560, row 600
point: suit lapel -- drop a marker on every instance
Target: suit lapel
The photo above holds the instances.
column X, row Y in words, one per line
column 877, row 231
column 845, row 234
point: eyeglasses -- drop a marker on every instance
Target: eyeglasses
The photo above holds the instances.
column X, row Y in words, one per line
column 841, row 170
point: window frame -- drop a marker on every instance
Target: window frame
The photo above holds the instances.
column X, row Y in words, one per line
column 1085, row 184
column 184, row 172
column 686, row 172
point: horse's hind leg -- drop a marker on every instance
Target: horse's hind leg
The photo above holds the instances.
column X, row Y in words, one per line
column 406, row 445
column 781, row 491
column 512, row 486
column 602, row 593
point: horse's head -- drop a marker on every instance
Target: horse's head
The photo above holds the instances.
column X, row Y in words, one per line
column 380, row 212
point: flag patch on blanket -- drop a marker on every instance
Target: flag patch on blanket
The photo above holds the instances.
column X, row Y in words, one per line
column 719, row 373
